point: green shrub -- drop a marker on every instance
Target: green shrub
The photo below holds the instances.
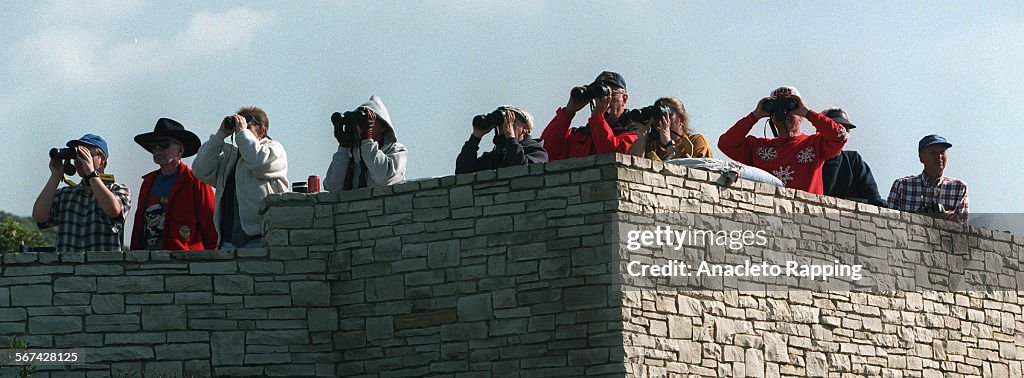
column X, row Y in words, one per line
column 13, row 233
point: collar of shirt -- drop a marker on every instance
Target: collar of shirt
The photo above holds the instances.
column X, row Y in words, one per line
column 931, row 182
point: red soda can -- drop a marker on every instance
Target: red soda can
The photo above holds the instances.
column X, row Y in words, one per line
column 313, row 183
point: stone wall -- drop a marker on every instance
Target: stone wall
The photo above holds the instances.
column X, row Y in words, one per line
column 239, row 312
column 498, row 273
column 942, row 299
column 517, row 272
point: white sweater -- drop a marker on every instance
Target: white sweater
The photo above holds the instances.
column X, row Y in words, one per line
column 262, row 169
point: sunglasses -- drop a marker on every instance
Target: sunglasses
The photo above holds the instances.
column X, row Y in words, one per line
column 162, row 143
column 252, row 121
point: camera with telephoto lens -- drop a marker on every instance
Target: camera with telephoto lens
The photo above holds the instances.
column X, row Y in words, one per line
column 931, row 208
column 487, row 121
column 778, row 107
column 349, row 120
column 590, row 92
column 67, row 155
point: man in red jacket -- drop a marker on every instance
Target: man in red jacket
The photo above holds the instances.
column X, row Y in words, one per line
column 606, row 130
column 175, row 209
column 794, row 157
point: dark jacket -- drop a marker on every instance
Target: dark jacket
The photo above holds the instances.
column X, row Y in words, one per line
column 188, row 222
column 507, row 152
column 848, row 176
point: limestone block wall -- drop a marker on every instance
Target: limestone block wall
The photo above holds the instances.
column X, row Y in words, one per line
column 498, row 273
column 246, row 312
column 947, row 303
column 517, row 272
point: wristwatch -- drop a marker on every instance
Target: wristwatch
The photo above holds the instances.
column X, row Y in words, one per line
column 91, row 175
column 669, row 144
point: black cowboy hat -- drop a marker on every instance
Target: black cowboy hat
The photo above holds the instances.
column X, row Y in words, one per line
column 169, row 128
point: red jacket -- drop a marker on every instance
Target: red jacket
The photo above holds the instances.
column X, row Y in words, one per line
column 795, row 161
column 188, row 221
column 597, row 139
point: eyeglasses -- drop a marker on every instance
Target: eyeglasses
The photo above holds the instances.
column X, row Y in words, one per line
column 161, row 143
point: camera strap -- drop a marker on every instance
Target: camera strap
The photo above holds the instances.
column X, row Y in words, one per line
column 362, row 168
column 349, row 171
column 105, row 177
column 351, row 182
column 775, row 131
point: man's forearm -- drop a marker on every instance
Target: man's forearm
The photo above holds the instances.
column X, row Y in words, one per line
column 41, row 208
column 106, row 199
column 734, row 141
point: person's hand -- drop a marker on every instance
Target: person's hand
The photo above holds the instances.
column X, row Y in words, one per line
column 506, row 125
column 232, row 124
column 663, row 126
column 366, row 131
column 56, row 168
column 226, row 125
column 345, row 139
column 949, row 215
column 601, row 105
column 480, row 132
column 573, row 105
column 83, row 164
column 801, row 108
column 759, row 110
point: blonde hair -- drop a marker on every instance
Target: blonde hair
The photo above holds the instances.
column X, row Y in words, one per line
column 677, row 107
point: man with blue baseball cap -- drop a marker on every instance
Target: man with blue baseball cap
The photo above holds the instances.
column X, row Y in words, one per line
column 90, row 214
column 931, row 192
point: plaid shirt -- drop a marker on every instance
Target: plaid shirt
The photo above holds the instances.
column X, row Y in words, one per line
column 83, row 226
column 911, row 192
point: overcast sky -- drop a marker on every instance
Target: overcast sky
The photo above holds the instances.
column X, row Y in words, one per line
column 901, row 69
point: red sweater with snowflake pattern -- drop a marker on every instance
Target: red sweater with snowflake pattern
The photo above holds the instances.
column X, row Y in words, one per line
column 795, row 161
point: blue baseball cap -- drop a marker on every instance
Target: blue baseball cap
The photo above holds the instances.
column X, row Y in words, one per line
column 91, row 140
column 611, row 78
column 932, row 139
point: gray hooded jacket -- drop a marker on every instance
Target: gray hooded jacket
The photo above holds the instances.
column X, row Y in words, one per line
column 383, row 159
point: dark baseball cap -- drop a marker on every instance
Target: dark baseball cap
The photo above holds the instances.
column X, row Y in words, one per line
column 932, row 139
column 839, row 116
column 611, row 78
column 91, row 140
